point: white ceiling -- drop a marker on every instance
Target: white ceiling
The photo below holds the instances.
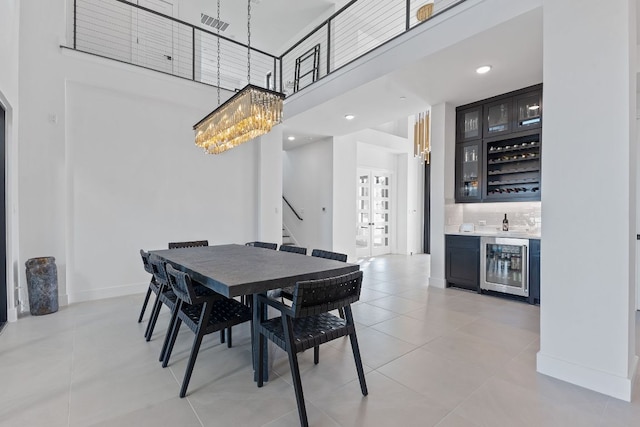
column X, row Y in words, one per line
column 274, row 23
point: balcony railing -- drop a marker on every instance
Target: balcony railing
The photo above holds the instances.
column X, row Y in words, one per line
column 134, row 34
column 148, row 38
column 353, row 31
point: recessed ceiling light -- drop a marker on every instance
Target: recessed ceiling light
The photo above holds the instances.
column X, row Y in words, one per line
column 349, row 117
column 291, row 138
column 484, row 69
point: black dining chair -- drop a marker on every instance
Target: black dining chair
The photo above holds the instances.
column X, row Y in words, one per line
column 153, row 285
column 165, row 297
column 293, row 249
column 202, row 314
column 308, row 323
column 264, row 245
column 287, row 293
column 191, row 244
column 165, row 294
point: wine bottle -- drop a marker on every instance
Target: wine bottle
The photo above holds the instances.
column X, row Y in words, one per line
column 505, row 223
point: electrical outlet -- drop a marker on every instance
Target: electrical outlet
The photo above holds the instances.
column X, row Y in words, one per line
column 482, row 222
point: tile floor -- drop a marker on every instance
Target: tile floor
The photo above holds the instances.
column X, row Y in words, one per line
column 433, row 357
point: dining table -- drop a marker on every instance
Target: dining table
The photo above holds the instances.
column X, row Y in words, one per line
column 234, row 270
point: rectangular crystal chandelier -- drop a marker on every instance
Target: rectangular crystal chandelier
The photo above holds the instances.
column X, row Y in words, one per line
column 246, row 115
column 421, row 143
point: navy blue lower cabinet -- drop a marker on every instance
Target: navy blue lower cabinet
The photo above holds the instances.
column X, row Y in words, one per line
column 462, row 262
column 534, row 271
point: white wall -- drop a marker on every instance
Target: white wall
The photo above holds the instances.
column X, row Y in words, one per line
column 345, row 174
column 9, row 85
column 443, row 148
column 108, row 165
column 308, row 186
column 587, row 325
column 269, row 186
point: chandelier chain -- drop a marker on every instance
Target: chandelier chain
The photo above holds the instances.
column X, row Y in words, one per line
column 248, row 41
column 218, row 57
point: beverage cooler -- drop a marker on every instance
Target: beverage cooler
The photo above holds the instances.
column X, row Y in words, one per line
column 503, row 265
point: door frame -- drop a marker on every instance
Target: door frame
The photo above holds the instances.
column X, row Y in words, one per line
column 4, row 297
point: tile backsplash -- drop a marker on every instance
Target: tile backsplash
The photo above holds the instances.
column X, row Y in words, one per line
column 522, row 215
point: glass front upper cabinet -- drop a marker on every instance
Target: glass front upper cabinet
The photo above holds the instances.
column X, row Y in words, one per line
column 469, row 124
column 468, row 173
column 528, row 111
column 498, row 118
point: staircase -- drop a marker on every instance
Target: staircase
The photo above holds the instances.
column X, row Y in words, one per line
column 286, row 237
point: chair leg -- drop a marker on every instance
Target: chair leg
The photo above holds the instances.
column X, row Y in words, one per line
column 192, row 361
column 172, row 322
column 356, row 352
column 316, row 354
column 341, row 313
column 295, row 370
column 172, row 341
column 222, row 336
column 260, row 361
column 229, row 337
column 157, row 305
column 356, row 356
column 144, row 304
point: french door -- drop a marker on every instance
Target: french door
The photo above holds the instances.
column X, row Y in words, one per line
column 373, row 229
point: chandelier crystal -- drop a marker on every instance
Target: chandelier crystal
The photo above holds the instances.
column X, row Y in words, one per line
column 248, row 114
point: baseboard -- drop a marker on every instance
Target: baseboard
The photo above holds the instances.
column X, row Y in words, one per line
column 63, row 300
column 12, row 314
column 437, row 282
column 592, row 379
column 111, row 292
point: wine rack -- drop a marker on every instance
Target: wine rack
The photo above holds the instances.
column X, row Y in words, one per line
column 513, row 168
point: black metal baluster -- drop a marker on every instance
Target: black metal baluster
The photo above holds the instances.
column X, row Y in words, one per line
column 408, row 15
column 193, row 53
column 329, row 47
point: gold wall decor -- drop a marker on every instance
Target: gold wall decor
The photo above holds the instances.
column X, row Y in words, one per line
column 425, row 12
column 421, row 143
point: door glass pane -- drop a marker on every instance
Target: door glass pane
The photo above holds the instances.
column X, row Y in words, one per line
column 498, row 117
column 362, row 237
column 504, row 264
column 471, row 128
column 470, row 162
column 528, row 111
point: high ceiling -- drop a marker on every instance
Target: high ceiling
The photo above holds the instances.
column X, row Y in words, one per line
column 274, row 23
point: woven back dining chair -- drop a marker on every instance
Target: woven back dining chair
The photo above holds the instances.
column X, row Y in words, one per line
column 191, row 244
column 165, row 294
column 202, row 314
column 293, row 249
column 287, row 293
column 264, row 245
column 320, row 253
column 161, row 298
column 153, row 286
column 308, row 323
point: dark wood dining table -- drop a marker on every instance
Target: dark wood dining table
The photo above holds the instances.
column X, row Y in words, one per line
column 237, row 270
